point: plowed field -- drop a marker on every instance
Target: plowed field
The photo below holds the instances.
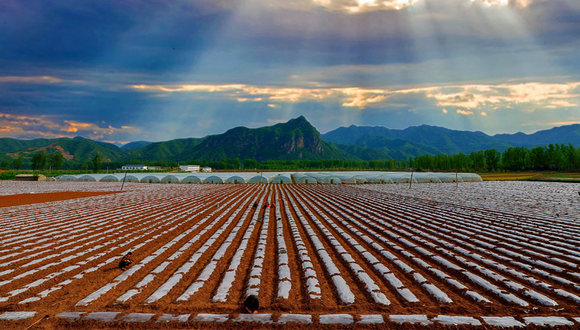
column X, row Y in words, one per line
column 320, row 249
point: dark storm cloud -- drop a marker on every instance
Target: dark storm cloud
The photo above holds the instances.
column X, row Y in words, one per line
column 554, row 22
column 171, row 36
column 130, row 35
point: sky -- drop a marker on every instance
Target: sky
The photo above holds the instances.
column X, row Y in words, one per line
column 131, row 70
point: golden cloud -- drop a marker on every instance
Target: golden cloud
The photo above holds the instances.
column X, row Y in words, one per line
column 507, row 95
column 30, row 79
column 36, row 80
column 361, row 6
column 48, row 127
column 464, row 112
column 358, row 6
column 465, row 97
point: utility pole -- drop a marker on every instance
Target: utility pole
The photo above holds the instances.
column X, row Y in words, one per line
column 124, row 180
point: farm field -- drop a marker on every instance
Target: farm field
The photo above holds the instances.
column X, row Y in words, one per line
column 476, row 249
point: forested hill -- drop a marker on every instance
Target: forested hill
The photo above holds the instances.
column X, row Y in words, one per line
column 557, row 135
column 438, row 140
column 77, row 149
column 294, row 140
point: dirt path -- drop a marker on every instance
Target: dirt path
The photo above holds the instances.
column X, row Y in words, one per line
column 25, row 199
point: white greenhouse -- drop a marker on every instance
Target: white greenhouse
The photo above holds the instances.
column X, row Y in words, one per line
column 358, row 177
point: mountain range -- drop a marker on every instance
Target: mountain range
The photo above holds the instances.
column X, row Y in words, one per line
column 295, row 139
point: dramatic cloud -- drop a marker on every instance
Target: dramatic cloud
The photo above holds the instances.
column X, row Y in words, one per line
column 22, row 126
column 361, row 6
column 152, row 70
column 357, row 6
column 491, row 97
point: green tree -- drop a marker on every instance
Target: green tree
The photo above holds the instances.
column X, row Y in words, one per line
column 516, row 158
column 478, row 160
column 250, row 163
column 539, row 158
column 492, row 159
column 38, row 161
column 424, row 162
column 97, row 163
column 460, row 161
column 55, row 161
column 557, row 157
column 17, row 163
column 237, row 163
column 442, row 162
column 571, row 156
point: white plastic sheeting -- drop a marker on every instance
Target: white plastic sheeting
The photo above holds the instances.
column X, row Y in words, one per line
column 150, row 179
column 109, row 178
column 281, row 178
column 170, row 179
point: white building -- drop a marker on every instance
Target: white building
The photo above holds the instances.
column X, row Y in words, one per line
column 189, row 168
column 134, row 167
column 206, row 169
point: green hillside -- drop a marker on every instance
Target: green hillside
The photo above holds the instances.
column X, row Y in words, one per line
column 294, row 140
column 421, row 140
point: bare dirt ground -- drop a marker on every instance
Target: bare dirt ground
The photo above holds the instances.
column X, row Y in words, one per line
column 25, row 199
column 454, row 259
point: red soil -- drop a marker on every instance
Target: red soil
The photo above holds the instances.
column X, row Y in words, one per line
column 24, row 199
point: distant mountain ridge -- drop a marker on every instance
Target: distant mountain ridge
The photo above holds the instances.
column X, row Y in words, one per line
column 560, row 135
column 427, row 139
column 295, row 139
column 422, row 139
column 77, row 149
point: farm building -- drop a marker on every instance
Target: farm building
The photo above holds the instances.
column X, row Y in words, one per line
column 30, row 177
column 189, row 168
column 134, row 167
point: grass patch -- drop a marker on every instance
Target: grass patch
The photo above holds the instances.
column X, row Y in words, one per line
column 531, row 176
column 510, row 176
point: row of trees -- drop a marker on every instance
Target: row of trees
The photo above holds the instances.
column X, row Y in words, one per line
column 54, row 161
column 555, row 157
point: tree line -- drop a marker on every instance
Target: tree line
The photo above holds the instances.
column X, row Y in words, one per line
column 54, row 161
column 554, row 157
